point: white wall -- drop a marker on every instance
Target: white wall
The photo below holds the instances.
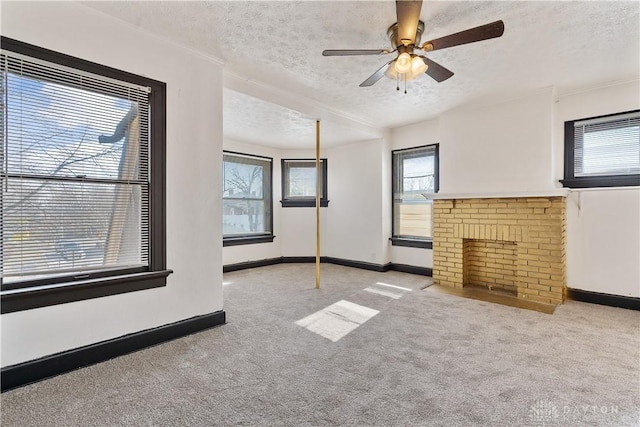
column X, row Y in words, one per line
column 299, row 231
column 354, row 217
column 259, row 251
column 603, row 225
column 498, row 148
column 418, row 257
column 386, row 203
column 194, row 151
column 415, row 135
column 603, row 241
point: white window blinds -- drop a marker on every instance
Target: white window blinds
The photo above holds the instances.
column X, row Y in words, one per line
column 75, row 171
column 607, row 146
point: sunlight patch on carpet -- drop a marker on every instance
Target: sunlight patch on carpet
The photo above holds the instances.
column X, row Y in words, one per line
column 383, row 293
column 393, row 286
column 337, row 320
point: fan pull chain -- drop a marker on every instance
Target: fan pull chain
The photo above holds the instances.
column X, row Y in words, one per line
column 405, row 83
column 398, row 81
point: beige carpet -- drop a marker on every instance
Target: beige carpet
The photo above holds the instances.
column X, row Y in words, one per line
column 422, row 359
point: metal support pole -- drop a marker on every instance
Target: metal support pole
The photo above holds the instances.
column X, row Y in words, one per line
column 319, row 179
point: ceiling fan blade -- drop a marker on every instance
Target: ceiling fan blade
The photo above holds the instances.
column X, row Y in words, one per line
column 375, row 76
column 408, row 13
column 348, row 52
column 483, row 32
column 436, row 71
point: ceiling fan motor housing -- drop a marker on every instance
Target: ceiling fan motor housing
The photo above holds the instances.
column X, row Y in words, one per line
column 392, row 33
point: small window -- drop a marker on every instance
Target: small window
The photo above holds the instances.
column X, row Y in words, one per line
column 602, row 151
column 246, row 199
column 415, row 179
column 83, row 171
column 299, row 183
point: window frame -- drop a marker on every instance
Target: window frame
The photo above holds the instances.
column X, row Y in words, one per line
column 572, row 181
column 304, row 202
column 43, row 292
column 249, row 239
column 412, row 242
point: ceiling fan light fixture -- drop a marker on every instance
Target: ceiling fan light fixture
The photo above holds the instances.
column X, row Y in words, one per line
column 418, row 66
column 403, row 63
column 391, row 71
column 409, row 75
column 393, row 74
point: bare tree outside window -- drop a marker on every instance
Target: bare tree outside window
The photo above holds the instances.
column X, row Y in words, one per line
column 246, row 195
column 73, row 182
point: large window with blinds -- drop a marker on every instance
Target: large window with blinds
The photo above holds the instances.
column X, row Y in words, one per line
column 246, row 199
column 415, row 179
column 603, row 151
column 82, row 178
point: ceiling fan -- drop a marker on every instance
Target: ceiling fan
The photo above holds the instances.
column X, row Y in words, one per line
column 410, row 61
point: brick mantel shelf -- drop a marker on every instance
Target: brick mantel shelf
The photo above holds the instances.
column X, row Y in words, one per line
column 558, row 192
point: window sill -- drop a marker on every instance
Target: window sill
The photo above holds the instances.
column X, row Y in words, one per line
column 247, row 240
column 303, row 203
column 602, row 181
column 61, row 293
column 412, row 243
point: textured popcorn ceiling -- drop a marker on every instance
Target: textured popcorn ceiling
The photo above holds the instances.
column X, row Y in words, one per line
column 276, row 126
column 278, row 45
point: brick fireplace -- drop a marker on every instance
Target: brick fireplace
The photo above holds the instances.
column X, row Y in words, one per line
column 512, row 245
